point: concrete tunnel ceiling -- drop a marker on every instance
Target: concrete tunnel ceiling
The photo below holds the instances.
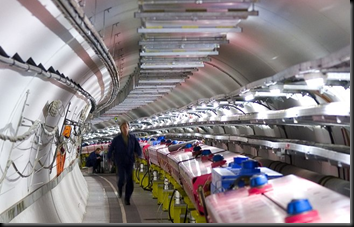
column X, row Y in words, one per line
column 283, row 34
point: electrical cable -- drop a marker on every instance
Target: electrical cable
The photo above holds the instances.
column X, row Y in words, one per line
column 202, row 197
column 185, row 215
column 169, row 206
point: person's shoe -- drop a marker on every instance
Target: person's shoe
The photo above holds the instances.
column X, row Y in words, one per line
column 127, row 202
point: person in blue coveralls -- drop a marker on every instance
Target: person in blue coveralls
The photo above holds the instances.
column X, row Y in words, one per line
column 123, row 149
column 94, row 160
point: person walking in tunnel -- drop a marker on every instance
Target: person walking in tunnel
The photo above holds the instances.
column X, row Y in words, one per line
column 122, row 150
column 94, row 160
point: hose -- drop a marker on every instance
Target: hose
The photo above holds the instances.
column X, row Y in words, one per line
column 169, row 206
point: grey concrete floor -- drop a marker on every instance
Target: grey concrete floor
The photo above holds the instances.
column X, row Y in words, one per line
column 104, row 206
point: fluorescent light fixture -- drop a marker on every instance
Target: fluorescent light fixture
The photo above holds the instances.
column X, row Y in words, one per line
column 298, row 87
column 338, row 76
column 168, row 70
column 190, row 30
column 315, row 79
column 180, row 53
column 270, row 94
column 153, row 2
column 162, row 81
column 135, row 101
column 182, row 46
column 169, row 16
column 315, row 82
column 177, row 59
column 186, row 41
column 275, row 89
column 139, row 91
column 155, row 86
column 172, row 65
column 141, row 78
column 248, row 96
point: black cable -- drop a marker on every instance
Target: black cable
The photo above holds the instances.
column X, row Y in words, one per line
column 201, row 194
column 142, row 179
column 169, row 206
column 185, row 215
column 141, row 183
column 330, row 133
column 150, row 178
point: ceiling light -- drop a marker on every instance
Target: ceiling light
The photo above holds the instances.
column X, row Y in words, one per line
column 275, row 89
column 190, row 30
column 172, row 65
column 338, row 76
column 167, row 70
column 315, row 80
column 162, row 81
column 248, row 96
column 180, row 53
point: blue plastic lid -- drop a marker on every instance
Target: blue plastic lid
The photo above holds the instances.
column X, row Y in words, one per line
column 206, row 152
column 218, row 158
column 175, row 142
column 163, row 140
column 297, row 206
column 258, row 180
column 168, row 141
column 152, row 139
column 249, row 164
column 188, row 145
column 239, row 160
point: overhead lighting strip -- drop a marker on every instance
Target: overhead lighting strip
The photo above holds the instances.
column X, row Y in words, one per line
column 189, row 41
column 145, row 86
column 157, row 2
column 162, row 77
column 170, row 60
column 139, row 91
column 194, row 16
column 181, row 53
column 205, row 46
column 193, row 29
column 148, row 95
column 172, row 65
column 168, row 70
column 162, row 81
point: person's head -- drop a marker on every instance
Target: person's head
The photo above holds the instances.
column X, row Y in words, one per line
column 98, row 150
column 124, row 128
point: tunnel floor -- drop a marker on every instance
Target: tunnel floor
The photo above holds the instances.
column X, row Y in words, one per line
column 104, row 206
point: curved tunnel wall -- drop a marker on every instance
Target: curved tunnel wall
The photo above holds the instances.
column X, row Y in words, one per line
column 65, row 202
